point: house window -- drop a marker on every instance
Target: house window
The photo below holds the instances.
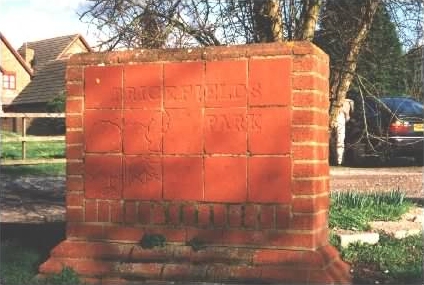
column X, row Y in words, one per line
column 9, row 81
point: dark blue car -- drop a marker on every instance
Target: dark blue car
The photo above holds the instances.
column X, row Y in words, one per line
column 385, row 128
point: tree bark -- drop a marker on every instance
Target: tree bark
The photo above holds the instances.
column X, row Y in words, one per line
column 343, row 77
column 310, row 13
column 267, row 20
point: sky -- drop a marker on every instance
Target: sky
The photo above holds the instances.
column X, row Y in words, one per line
column 31, row 20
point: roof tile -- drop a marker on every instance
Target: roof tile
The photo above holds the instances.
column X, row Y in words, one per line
column 49, row 71
column 47, row 50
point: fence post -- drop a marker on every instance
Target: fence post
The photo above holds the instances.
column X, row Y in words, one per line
column 23, row 141
column 20, row 120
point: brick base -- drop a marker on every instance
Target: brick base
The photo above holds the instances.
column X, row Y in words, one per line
column 109, row 263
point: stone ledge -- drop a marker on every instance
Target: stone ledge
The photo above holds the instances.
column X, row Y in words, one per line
column 322, row 266
column 347, row 238
column 396, row 229
column 410, row 224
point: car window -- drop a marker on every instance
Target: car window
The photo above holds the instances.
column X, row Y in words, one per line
column 404, row 106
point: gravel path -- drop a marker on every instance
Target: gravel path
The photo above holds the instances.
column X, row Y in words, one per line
column 408, row 180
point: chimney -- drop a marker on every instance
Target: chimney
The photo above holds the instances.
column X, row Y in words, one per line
column 28, row 55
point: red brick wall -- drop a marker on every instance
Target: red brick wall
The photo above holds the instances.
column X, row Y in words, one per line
column 228, row 145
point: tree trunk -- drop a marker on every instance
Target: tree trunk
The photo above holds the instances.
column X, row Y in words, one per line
column 343, row 78
column 267, row 20
column 310, row 13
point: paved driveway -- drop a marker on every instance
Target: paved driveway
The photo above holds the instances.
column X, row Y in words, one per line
column 408, row 179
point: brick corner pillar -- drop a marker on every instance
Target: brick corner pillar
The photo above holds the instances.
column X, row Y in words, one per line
column 219, row 153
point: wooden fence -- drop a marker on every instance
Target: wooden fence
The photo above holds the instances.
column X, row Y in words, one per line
column 24, row 138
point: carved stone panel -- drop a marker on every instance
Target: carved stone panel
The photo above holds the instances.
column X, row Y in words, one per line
column 142, row 178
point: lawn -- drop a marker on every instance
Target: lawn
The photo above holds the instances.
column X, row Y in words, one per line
column 24, row 247
column 34, row 150
column 354, row 210
column 53, row 169
column 12, row 150
column 48, row 149
column 390, row 261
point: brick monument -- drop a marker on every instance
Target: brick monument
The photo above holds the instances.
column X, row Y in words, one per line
column 206, row 164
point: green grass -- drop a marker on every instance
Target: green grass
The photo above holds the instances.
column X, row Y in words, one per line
column 66, row 277
column 5, row 134
column 35, row 150
column 354, row 210
column 391, row 260
column 19, row 265
column 37, row 170
column 12, row 150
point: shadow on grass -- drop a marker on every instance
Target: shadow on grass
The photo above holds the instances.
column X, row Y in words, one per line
column 58, row 169
column 42, row 237
column 24, row 247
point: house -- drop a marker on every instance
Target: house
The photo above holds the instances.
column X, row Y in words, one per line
column 34, row 75
column 47, row 58
column 15, row 72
